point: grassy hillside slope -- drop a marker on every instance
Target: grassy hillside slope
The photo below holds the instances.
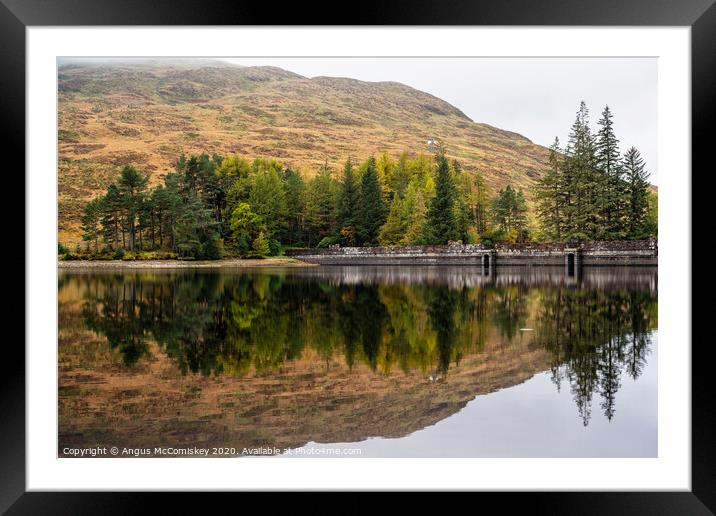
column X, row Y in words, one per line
column 147, row 113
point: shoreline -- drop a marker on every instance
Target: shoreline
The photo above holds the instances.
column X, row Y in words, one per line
column 282, row 261
column 575, row 255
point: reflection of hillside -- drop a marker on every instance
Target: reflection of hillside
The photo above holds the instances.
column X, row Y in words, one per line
column 285, row 358
column 307, row 400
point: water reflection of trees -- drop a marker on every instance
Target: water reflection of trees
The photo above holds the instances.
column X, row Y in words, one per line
column 231, row 324
column 593, row 338
column 213, row 324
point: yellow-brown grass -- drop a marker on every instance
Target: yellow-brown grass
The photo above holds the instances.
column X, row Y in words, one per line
column 147, row 114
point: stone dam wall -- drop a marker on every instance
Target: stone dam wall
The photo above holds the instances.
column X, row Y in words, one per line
column 616, row 253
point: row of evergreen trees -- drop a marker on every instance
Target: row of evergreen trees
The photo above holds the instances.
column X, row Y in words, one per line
column 209, row 207
column 212, row 206
column 590, row 191
column 182, row 215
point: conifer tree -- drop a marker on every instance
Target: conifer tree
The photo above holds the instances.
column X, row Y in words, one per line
column 196, row 228
column 91, row 228
column 144, row 220
column 481, row 204
column 260, row 244
column 396, row 225
column 637, row 194
column 348, row 205
column 464, row 231
column 607, row 162
column 173, row 206
column 464, row 204
column 589, row 193
column 320, row 206
column 551, row 195
column 416, row 210
column 268, row 201
column 385, row 169
column 440, row 224
column 159, row 206
column 372, row 209
column 132, row 185
column 399, row 177
column 295, row 189
column 510, row 211
column 580, row 179
column 652, row 217
column 112, row 220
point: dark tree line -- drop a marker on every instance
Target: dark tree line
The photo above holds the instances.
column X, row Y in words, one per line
column 182, row 215
column 209, row 207
column 591, row 192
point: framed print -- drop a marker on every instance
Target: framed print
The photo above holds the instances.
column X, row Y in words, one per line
column 346, row 257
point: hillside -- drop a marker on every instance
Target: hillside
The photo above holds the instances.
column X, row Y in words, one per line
column 147, row 113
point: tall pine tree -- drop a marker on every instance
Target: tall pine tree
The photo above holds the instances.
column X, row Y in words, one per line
column 610, row 182
column 320, row 207
column 551, row 195
column 396, row 225
column 372, row 209
column 132, row 185
column 112, row 220
column 509, row 210
column 440, row 224
column 637, row 194
column 295, row 193
column 91, row 228
column 268, row 201
column 582, row 212
column 348, row 206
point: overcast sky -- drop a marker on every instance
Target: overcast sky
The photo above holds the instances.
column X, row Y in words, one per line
column 536, row 97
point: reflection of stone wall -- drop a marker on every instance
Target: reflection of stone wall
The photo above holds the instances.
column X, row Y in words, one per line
column 457, row 277
column 634, row 252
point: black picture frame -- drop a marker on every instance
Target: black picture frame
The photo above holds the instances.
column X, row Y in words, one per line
column 16, row 15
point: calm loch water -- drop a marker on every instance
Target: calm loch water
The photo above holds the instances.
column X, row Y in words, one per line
column 359, row 361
